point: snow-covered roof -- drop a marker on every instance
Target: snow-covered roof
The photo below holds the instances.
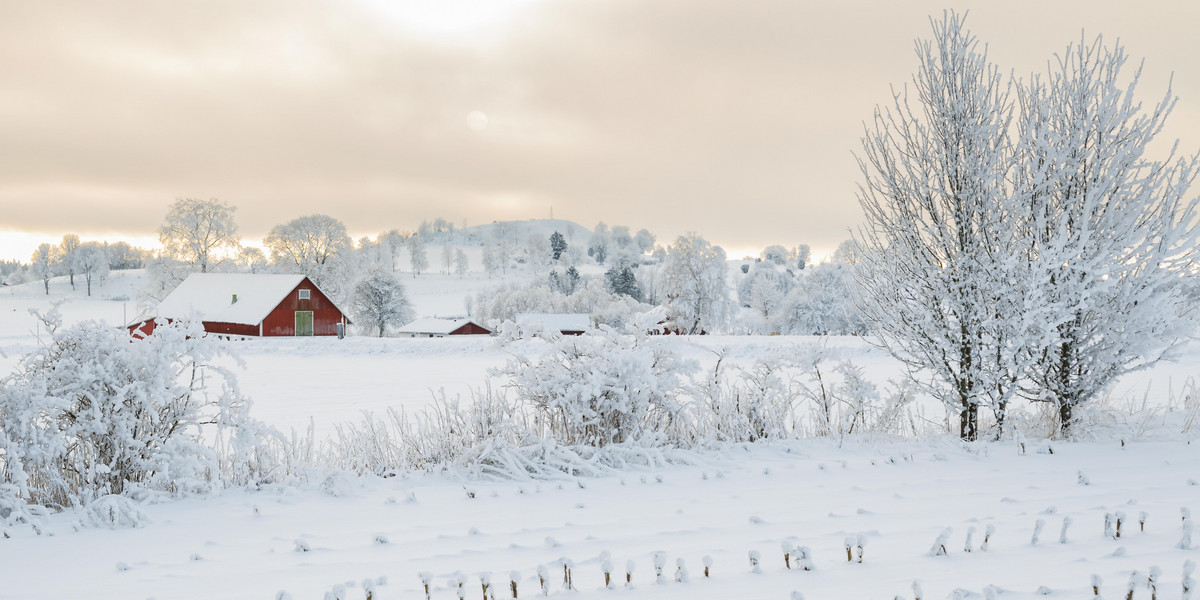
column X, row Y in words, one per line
column 209, row 297
column 564, row 322
column 434, row 326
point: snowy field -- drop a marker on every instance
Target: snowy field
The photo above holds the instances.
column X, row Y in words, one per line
column 898, row 496
column 722, row 503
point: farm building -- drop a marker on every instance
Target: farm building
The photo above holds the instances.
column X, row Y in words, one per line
column 257, row 305
column 441, row 328
column 566, row 324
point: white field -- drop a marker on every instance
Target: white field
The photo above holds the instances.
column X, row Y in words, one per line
column 727, row 502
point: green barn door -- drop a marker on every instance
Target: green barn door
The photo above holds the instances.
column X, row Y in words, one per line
column 304, row 322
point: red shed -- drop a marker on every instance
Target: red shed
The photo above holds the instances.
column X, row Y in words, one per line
column 442, row 328
column 244, row 304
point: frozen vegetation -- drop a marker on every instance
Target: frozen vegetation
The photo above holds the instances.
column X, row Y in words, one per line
column 969, row 399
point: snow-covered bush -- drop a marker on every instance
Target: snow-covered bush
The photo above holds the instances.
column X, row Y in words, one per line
column 744, row 404
column 95, row 412
column 606, row 387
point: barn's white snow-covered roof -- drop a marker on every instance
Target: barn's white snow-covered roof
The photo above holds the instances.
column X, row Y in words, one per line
column 209, row 297
column 434, row 326
column 564, row 322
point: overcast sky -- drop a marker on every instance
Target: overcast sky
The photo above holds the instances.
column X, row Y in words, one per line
column 737, row 120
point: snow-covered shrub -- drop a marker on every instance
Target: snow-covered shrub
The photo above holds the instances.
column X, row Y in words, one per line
column 440, row 435
column 603, row 388
column 113, row 512
column 95, row 412
column 743, row 404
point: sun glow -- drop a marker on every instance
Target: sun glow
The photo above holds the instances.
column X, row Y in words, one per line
column 448, row 17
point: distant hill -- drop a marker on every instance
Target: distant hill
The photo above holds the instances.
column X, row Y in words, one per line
column 520, row 230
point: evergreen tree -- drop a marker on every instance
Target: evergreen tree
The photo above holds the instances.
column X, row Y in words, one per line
column 558, row 245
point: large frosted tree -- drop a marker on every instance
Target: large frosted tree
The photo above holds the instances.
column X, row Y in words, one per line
column 194, row 230
column 1112, row 232
column 1042, row 253
column 692, row 284
column 936, row 164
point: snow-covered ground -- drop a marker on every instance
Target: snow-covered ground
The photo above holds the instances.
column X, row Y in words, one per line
column 898, row 495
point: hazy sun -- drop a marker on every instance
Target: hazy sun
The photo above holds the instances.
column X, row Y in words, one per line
column 448, row 17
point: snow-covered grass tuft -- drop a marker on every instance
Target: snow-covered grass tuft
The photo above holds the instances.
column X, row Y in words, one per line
column 113, row 512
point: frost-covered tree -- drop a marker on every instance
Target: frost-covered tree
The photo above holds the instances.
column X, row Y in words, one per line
column 391, row 242
column 43, row 265
column 558, row 245
column 571, row 280
column 67, row 254
column 599, row 244
column 821, row 303
column 692, row 285
column 311, row 244
column 92, row 413
column 621, row 280
column 418, row 259
column 122, row 256
column 538, row 252
column 194, row 230
column 803, row 254
column 938, row 243
column 762, row 271
column 307, row 241
column 461, row 265
column 91, row 260
column 491, row 258
column 1112, row 232
column 379, row 302
column 447, row 258
column 252, row 259
column 644, row 241
column 776, row 254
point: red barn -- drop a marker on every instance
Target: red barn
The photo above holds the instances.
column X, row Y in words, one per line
column 242, row 304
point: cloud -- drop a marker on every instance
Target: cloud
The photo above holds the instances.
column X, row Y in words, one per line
column 735, row 120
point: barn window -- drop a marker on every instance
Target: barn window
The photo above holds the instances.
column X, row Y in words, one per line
column 305, row 294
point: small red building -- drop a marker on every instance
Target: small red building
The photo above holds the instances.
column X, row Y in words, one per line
column 442, row 328
column 253, row 305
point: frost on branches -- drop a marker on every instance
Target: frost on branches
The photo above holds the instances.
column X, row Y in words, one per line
column 95, row 413
column 379, row 301
column 1033, row 250
column 692, row 282
column 1113, row 232
column 939, row 213
column 603, row 388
